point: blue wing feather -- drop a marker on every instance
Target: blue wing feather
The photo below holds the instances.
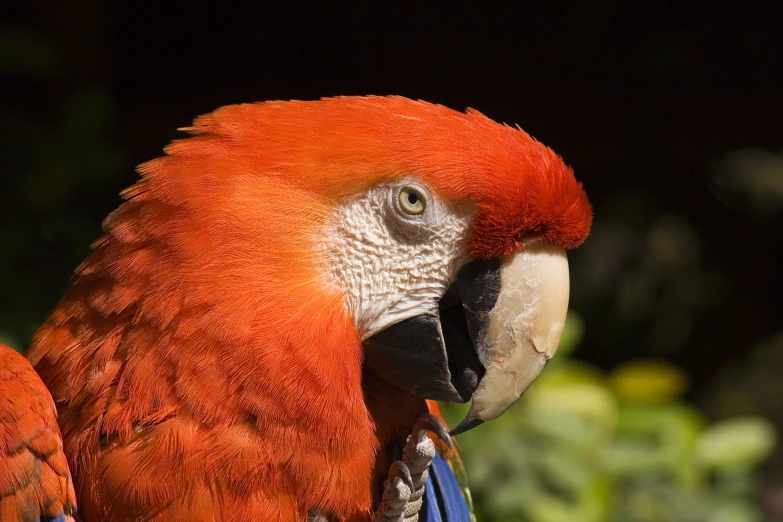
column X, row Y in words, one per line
column 443, row 498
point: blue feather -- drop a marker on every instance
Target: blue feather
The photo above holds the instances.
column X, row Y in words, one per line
column 443, row 500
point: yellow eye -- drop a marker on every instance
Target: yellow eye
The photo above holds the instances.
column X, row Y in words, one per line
column 412, row 201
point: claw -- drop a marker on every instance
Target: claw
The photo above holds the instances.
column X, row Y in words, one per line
column 431, row 423
column 400, row 470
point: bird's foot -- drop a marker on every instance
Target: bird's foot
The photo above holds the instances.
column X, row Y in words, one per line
column 403, row 491
column 397, row 491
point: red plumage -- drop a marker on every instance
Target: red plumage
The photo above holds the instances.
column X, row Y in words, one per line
column 206, row 366
column 34, row 479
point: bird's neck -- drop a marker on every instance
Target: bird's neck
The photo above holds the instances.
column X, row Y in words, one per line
column 158, row 367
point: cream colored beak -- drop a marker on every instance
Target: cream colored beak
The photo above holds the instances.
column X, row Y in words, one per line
column 523, row 329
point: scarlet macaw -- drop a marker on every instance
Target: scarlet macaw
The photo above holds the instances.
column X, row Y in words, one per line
column 256, row 333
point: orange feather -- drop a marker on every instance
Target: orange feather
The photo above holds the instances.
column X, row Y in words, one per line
column 34, row 479
column 205, row 363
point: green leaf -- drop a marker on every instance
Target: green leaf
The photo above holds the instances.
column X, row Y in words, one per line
column 551, row 509
column 735, row 511
column 736, row 443
column 648, row 381
column 574, row 389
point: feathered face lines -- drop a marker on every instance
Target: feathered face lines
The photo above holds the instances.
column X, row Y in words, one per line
column 394, row 250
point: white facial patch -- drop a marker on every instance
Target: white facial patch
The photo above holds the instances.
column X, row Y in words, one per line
column 393, row 260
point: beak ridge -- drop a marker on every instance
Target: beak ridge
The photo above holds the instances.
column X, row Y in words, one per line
column 523, row 329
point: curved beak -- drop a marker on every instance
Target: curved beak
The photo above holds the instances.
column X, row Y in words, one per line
column 492, row 334
column 521, row 332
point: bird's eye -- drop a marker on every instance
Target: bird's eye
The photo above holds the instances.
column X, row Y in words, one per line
column 412, row 201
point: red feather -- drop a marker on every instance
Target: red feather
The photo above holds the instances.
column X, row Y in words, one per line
column 34, row 479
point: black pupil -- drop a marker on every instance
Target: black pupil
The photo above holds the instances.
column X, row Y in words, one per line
column 413, row 198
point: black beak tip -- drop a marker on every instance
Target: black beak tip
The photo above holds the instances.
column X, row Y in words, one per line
column 468, row 423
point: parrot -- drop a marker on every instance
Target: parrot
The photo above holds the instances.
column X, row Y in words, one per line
column 264, row 328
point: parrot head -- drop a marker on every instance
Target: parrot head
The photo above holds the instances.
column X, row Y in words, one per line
column 451, row 259
column 442, row 234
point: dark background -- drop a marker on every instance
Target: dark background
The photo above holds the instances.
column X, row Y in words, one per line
column 647, row 101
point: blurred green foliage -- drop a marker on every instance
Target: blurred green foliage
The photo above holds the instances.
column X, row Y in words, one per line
column 584, row 446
